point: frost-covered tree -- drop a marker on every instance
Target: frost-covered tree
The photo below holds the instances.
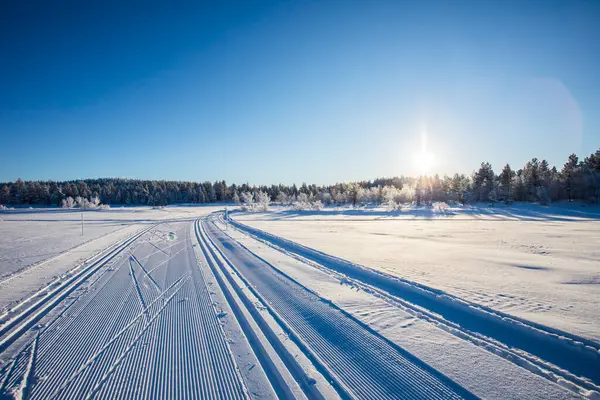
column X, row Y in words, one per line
column 81, row 202
column 361, row 195
column 68, row 202
column 302, row 202
column 339, row 197
column 376, row 195
column 577, row 180
column 5, row 194
column 390, row 196
column 282, row 198
column 353, row 193
column 247, row 200
column 531, row 178
column 394, row 198
column 202, row 195
column 542, row 196
column 86, row 204
column 236, row 197
column 459, row 186
column 591, row 172
column 317, row 205
column 518, row 186
column 325, row 197
column 262, row 201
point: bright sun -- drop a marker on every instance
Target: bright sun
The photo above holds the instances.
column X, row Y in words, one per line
column 424, row 160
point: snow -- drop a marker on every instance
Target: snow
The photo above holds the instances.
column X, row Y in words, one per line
column 42, row 244
column 28, row 236
column 537, row 263
column 141, row 288
column 114, row 325
column 483, row 373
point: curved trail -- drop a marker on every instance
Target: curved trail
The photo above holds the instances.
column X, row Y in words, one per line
column 365, row 364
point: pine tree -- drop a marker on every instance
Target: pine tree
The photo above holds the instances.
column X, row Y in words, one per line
column 506, row 178
column 569, row 173
column 483, row 182
column 531, row 178
column 591, row 167
column 5, row 194
column 201, row 195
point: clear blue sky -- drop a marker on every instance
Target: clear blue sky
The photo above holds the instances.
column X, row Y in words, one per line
column 268, row 92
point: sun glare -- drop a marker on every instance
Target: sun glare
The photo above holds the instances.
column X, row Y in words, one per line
column 424, row 160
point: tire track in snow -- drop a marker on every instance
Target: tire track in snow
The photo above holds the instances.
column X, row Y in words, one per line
column 158, row 248
column 52, row 331
column 363, row 362
column 62, row 331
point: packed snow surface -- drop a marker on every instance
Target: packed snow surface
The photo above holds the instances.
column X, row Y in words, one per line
column 178, row 301
column 482, row 372
column 534, row 262
column 39, row 245
column 30, row 236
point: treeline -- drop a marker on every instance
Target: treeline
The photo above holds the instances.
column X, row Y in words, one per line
column 535, row 182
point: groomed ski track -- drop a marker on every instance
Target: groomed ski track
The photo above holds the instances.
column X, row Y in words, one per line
column 144, row 321
column 567, row 359
column 144, row 327
column 358, row 361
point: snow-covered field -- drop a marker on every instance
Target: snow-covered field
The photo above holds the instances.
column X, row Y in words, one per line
column 468, row 362
column 538, row 263
column 29, row 236
column 177, row 303
column 39, row 244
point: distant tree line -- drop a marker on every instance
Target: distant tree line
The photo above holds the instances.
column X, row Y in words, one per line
column 535, row 182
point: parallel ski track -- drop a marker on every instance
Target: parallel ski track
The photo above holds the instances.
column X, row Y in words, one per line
column 274, row 375
column 104, row 347
column 19, row 272
column 535, row 365
column 366, row 364
column 572, row 358
column 525, row 360
column 12, row 329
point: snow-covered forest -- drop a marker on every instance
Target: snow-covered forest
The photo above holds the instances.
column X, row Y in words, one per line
column 537, row 181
